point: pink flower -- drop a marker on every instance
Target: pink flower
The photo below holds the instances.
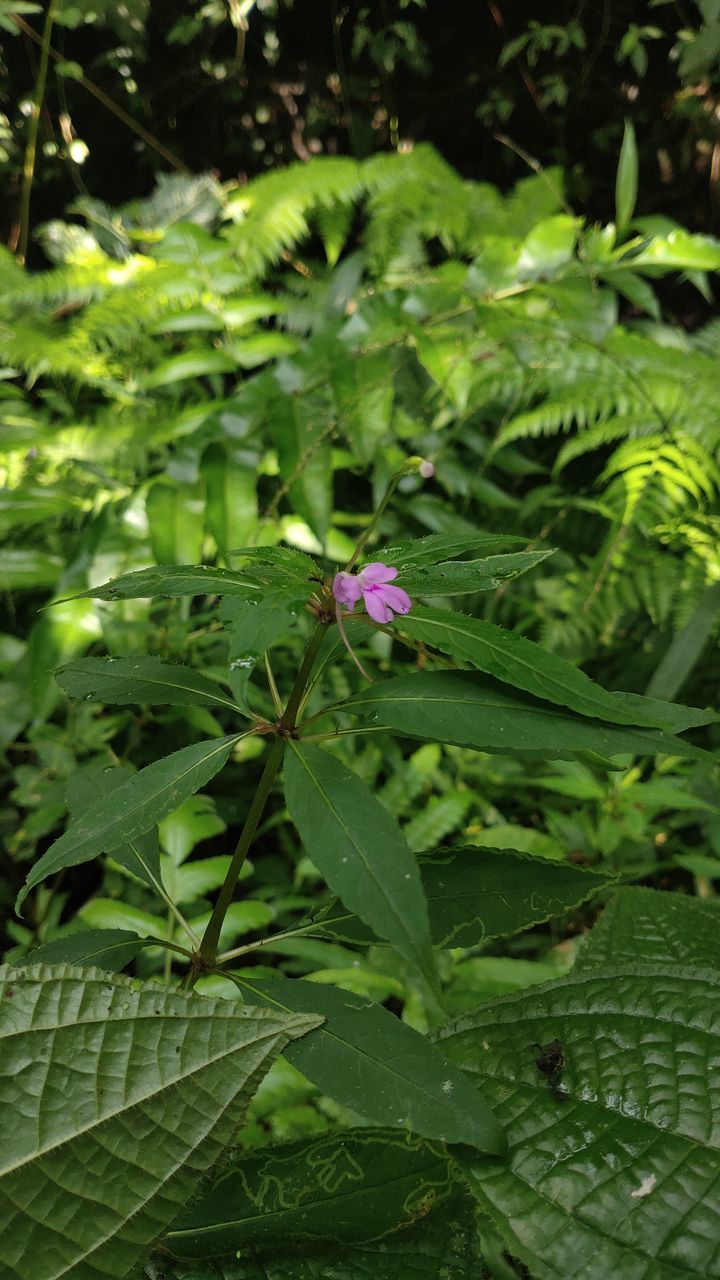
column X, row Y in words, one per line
column 381, row 599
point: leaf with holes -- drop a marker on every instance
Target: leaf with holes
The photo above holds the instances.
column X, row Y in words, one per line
column 606, row 1085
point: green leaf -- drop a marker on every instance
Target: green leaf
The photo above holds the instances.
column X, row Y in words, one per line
column 190, row 364
column 254, row 626
column 28, row 568
column 626, row 181
column 231, row 496
column 460, row 577
column 443, row 1246
column 95, row 784
column 461, row 708
column 363, row 392
column 199, row 580
column 192, row 822
column 140, row 680
column 355, row 1185
column 614, row 1159
column 137, row 805
column 92, row 1066
column 360, row 850
column 368, row 1060
column 110, row 949
column 648, row 926
column 176, row 520
column 548, row 247
column 519, row 662
column 475, row 894
column 301, row 433
column 437, row 547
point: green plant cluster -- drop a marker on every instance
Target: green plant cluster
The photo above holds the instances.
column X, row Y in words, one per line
column 390, row 1034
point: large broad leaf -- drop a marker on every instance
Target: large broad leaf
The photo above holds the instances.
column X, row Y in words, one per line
column 142, row 680
column 176, row 519
column 360, row 850
column 351, row 1186
column 113, row 1102
column 368, row 1060
column 461, row 577
column 474, row 894
column 469, row 711
column 231, row 504
column 519, row 662
column 110, row 949
column 443, row 1246
column 606, row 1083
column 647, row 925
column 137, row 805
column 93, row 784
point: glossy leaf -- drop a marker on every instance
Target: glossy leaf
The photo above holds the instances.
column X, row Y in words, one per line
column 340, row 1187
column 176, row 520
column 231, row 504
column 368, row 1060
column 137, row 805
column 438, row 547
column 140, row 680
column 525, row 665
column 92, row 1065
column 360, row 850
column 180, row 580
column 464, row 709
column 614, row 1137
column 648, row 926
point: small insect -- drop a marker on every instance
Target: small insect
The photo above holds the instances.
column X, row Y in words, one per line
column 551, row 1061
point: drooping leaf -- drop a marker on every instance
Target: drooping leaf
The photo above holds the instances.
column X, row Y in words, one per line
column 360, row 850
column 605, row 1081
column 368, row 1060
column 461, row 577
column 511, row 658
column 140, row 680
column 443, row 1246
column 137, row 805
column 648, row 926
column 341, row 1187
column 92, row 1068
column 462, row 708
column 110, row 949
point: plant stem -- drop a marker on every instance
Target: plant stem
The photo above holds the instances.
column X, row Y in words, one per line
column 285, row 727
column 31, row 148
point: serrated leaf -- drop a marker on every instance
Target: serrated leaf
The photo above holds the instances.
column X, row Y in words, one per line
column 360, row 850
column 614, row 1141
column 368, row 1060
column 92, row 1067
column 187, row 580
column 346, row 1187
column 254, row 626
column 511, row 658
column 137, row 806
column 462, row 708
column 647, row 926
column 110, row 949
column 122, row 681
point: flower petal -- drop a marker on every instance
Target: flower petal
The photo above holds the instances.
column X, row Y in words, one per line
column 377, row 572
column 376, row 606
column 397, row 599
column 347, row 589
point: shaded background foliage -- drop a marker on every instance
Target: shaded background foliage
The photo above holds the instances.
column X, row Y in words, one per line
column 331, row 78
